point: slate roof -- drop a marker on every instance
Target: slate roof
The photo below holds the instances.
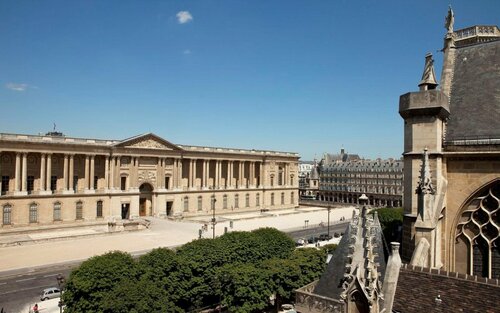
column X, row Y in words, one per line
column 475, row 93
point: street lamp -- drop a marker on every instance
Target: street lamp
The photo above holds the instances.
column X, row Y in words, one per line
column 328, row 229
column 60, row 282
column 214, row 221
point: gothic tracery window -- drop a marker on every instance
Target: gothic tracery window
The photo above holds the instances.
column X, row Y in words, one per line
column 478, row 237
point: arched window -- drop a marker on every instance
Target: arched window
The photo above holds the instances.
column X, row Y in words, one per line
column 272, row 198
column 257, row 199
column 99, row 209
column 7, row 214
column 79, row 210
column 247, row 200
column 33, row 213
column 282, row 198
column 272, row 180
column 236, row 201
column 186, row 204
column 200, row 203
column 477, row 244
column 224, row 202
column 57, row 211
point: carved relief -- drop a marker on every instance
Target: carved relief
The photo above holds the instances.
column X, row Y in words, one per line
column 146, row 176
column 150, row 143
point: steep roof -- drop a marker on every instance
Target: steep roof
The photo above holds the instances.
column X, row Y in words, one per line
column 475, row 93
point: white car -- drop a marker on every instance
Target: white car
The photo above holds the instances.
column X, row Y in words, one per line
column 287, row 308
column 50, row 293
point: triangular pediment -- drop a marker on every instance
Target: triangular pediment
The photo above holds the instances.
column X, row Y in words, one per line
column 147, row 141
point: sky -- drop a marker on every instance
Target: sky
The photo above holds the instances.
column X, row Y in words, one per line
column 300, row 76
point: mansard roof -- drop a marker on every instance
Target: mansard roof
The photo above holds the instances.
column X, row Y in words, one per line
column 475, row 94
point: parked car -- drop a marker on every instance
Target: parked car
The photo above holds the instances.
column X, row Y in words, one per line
column 300, row 242
column 287, row 308
column 325, row 237
column 50, row 293
column 312, row 239
column 336, row 235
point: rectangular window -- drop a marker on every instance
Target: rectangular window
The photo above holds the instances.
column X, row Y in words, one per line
column 236, row 201
column 5, row 184
column 247, row 200
column 75, row 183
column 292, row 198
column 257, row 199
column 33, row 213
column 224, row 202
column 272, row 199
column 123, row 184
column 212, row 202
column 57, row 211
column 7, row 211
column 200, row 203
column 186, row 204
column 96, row 180
column 30, row 184
column 167, row 182
column 282, row 198
column 99, row 209
column 79, row 210
column 53, row 183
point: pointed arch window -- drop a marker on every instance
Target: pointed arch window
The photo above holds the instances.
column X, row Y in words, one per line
column 477, row 246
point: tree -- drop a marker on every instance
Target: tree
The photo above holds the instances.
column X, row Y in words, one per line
column 244, row 287
column 391, row 221
column 312, row 264
column 90, row 285
column 274, row 243
column 284, row 277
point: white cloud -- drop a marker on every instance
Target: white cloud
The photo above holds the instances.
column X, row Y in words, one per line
column 187, row 51
column 184, row 17
column 16, row 87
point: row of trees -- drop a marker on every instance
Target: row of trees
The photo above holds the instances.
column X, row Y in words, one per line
column 239, row 270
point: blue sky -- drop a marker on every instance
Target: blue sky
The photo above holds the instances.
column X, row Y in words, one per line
column 302, row 76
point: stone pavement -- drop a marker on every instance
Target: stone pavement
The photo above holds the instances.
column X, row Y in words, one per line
column 162, row 233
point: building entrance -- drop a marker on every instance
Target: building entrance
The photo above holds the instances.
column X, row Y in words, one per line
column 145, row 199
column 125, row 211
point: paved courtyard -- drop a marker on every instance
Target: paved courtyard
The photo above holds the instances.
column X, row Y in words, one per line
column 162, row 233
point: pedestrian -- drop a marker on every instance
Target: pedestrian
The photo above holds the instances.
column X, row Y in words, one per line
column 35, row 308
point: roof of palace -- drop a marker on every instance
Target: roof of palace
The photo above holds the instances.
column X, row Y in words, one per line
column 359, row 257
column 387, row 165
column 148, row 141
column 475, row 92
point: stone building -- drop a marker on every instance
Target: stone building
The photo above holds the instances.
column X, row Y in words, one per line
column 451, row 237
column 452, row 157
column 309, row 182
column 343, row 179
column 53, row 179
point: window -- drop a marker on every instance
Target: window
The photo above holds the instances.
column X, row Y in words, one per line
column 200, row 203
column 272, row 180
column 186, row 204
column 79, row 210
column 33, row 213
column 212, row 202
column 247, row 200
column 5, row 184
column 53, row 183
column 224, row 202
column 123, row 183
column 7, row 218
column 282, row 198
column 99, row 209
column 236, row 201
column 291, row 180
column 272, row 198
column 75, row 183
column 167, row 181
column 31, row 182
column 257, row 199
column 280, row 176
column 96, row 180
column 292, row 198
column 57, row 211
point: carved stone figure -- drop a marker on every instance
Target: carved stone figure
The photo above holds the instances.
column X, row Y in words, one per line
column 450, row 20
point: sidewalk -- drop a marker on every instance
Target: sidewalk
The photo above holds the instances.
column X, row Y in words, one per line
column 162, row 233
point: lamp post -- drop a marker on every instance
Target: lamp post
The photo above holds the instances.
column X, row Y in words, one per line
column 60, row 283
column 214, row 221
column 328, row 227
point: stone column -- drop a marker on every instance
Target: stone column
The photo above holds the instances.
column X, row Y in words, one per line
column 41, row 185
column 0, row 172
column 86, row 187
column 18, row 172
column 117, row 173
column 92, row 172
column 252, row 174
column 71, row 171
column 240, row 174
column 112, row 165
column 106, row 172
column 25, row 172
column 261, row 174
column 179, row 172
column 228, row 174
column 194, row 174
column 65, row 173
column 49, row 172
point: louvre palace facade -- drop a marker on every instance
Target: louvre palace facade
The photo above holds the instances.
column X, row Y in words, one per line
column 54, row 179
